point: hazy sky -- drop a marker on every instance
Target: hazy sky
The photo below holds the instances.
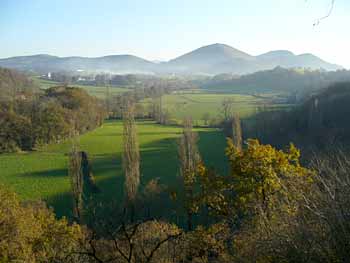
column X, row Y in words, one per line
column 164, row 29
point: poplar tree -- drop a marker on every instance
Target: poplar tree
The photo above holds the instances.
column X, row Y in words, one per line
column 189, row 158
column 77, row 181
column 131, row 157
column 237, row 131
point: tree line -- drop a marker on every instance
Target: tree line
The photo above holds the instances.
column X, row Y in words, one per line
column 299, row 83
column 148, row 99
column 318, row 124
column 146, row 90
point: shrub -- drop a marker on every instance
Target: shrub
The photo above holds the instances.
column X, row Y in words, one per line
column 31, row 233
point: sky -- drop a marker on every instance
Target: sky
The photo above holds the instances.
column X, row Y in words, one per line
column 165, row 29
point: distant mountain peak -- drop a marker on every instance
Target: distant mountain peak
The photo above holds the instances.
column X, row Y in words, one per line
column 277, row 53
column 218, row 49
column 211, row 59
column 218, row 45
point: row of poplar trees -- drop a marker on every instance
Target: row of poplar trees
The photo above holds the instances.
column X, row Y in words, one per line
column 188, row 154
column 80, row 171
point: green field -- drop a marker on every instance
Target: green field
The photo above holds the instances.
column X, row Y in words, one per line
column 97, row 91
column 194, row 103
column 199, row 103
column 42, row 174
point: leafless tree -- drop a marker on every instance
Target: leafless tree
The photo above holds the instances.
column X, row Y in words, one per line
column 227, row 108
column 87, row 172
column 329, row 203
column 139, row 242
column 131, row 157
column 76, row 178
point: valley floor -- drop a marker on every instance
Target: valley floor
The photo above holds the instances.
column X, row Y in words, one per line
column 42, row 174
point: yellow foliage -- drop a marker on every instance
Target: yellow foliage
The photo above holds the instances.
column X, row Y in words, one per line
column 31, row 233
column 263, row 175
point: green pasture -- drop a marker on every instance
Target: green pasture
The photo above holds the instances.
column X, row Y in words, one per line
column 42, row 174
column 197, row 105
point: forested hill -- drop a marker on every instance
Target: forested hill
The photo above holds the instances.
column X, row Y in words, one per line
column 277, row 80
column 321, row 121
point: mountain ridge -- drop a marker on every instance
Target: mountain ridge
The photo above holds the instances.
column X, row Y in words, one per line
column 206, row 60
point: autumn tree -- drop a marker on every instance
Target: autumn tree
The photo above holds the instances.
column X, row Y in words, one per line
column 131, row 157
column 264, row 176
column 151, row 194
column 259, row 198
column 261, row 180
column 30, row 119
column 30, row 232
column 189, row 159
column 272, row 188
column 15, row 132
column 140, row 111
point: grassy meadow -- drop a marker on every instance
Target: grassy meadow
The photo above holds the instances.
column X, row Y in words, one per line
column 42, row 174
column 197, row 104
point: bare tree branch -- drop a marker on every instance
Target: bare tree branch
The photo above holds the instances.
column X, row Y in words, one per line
column 318, row 21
